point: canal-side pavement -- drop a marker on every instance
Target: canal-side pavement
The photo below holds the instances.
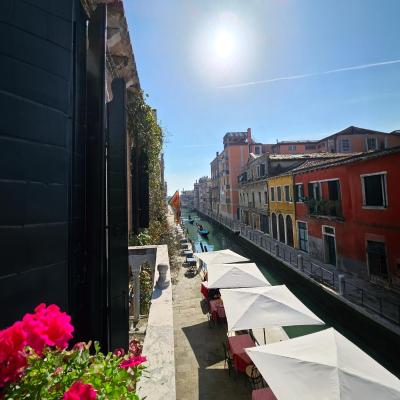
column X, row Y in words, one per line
column 199, row 358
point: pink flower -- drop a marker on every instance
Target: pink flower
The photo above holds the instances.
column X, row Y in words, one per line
column 47, row 327
column 80, row 391
column 120, row 352
column 132, row 362
column 12, row 355
column 57, row 371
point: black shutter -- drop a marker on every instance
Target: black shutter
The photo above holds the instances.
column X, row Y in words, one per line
column 117, row 218
column 334, row 190
column 95, row 179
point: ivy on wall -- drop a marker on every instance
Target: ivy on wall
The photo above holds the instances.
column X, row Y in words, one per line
column 147, row 135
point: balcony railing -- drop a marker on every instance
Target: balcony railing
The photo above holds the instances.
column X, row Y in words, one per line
column 330, row 208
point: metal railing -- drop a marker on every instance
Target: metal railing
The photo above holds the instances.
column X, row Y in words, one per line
column 385, row 308
column 381, row 306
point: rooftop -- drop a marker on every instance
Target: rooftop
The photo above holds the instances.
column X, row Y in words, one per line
column 308, row 156
column 345, row 159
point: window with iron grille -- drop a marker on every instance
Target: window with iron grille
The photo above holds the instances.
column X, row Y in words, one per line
column 344, row 145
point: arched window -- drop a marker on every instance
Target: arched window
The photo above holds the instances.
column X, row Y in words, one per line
column 281, row 223
column 289, row 230
column 274, row 227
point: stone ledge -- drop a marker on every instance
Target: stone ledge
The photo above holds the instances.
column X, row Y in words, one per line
column 158, row 381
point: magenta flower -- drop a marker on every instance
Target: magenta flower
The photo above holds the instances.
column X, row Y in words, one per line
column 12, row 355
column 47, row 327
column 132, row 362
column 80, row 391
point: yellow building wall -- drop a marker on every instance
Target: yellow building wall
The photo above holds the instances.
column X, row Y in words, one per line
column 283, row 207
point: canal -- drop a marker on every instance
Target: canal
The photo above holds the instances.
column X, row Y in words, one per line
column 383, row 347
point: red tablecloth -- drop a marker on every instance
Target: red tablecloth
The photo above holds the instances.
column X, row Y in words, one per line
column 204, row 289
column 237, row 344
column 215, row 305
column 263, row 394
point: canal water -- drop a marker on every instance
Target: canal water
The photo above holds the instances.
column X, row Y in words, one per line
column 219, row 238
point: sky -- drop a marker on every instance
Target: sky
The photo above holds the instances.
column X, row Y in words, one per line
column 287, row 69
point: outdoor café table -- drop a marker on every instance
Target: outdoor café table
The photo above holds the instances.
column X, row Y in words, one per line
column 263, row 394
column 191, row 261
column 214, row 308
column 237, row 344
column 204, row 289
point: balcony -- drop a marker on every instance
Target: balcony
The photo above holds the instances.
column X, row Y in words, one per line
column 325, row 208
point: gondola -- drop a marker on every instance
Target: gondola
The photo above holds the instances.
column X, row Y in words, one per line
column 203, row 232
column 191, row 221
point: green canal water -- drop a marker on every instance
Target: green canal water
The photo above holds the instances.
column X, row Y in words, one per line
column 220, row 238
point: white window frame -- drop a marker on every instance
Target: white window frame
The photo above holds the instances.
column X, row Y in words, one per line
column 296, row 193
column 323, row 240
column 384, row 191
column 298, row 236
column 290, row 194
column 277, row 197
column 341, row 145
column 272, row 194
column 376, row 143
column 326, row 233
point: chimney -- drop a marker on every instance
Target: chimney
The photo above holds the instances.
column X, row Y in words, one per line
column 217, row 153
column 249, row 135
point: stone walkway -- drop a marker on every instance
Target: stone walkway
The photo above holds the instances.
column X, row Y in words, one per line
column 199, row 358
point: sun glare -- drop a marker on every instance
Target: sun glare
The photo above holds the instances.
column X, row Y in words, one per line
column 224, row 44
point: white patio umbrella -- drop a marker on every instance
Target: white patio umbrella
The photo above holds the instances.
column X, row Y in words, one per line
column 323, row 365
column 235, row 276
column 262, row 307
column 220, row 257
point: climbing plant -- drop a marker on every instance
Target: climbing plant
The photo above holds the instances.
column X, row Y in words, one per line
column 148, row 136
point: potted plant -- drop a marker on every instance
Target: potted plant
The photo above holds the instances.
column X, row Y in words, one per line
column 35, row 362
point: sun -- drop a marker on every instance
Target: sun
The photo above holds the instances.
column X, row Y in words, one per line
column 224, row 43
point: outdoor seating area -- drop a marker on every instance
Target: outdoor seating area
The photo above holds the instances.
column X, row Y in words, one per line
column 240, row 299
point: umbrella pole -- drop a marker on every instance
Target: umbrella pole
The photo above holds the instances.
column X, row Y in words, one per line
column 265, row 337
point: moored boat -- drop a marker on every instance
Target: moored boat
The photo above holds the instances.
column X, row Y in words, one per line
column 203, row 232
